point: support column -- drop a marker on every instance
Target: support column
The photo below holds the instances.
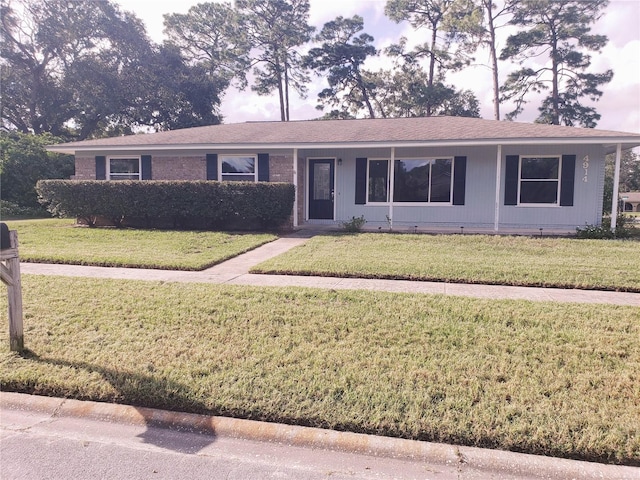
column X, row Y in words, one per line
column 496, row 219
column 392, row 169
column 295, row 184
column 616, row 186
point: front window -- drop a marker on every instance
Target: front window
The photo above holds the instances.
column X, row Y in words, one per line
column 124, row 168
column 238, row 168
column 423, row 180
column 378, row 181
column 539, row 180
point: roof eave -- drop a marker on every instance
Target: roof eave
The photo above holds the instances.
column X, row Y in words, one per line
column 607, row 142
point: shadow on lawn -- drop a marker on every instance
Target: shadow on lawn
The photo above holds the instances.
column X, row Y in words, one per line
column 151, row 391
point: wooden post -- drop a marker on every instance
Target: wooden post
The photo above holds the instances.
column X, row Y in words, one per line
column 10, row 274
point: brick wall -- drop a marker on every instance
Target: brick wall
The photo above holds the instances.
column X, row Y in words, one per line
column 85, row 168
column 280, row 168
column 179, row 168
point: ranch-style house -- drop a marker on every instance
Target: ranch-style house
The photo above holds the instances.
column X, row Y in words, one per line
column 424, row 174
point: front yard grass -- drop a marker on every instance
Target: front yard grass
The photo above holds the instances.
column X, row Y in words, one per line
column 503, row 260
column 61, row 241
column 542, row 378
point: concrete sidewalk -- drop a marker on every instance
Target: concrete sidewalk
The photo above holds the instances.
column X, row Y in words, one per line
column 235, row 272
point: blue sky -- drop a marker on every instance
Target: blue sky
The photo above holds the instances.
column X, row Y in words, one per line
column 619, row 106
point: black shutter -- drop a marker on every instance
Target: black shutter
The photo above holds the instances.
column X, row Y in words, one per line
column 511, row 180
column 263, row 167
column 361, row 181
column 146, row 167
column 101, row 168
column 459, row 179
column 567, row 180
column 212, row 166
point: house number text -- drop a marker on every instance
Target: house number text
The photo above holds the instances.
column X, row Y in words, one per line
column 585, row 166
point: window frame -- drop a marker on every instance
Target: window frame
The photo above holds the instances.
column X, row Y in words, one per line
column 558, row 180
column 251, row 177
column 110, row 176
column 429, row 202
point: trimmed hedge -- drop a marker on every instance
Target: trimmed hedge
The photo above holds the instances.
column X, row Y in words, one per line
column 170, row 204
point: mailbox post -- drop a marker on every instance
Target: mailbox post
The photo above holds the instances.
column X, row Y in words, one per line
column 10, row 274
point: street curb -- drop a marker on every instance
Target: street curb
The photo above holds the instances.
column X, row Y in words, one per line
column 496, row 462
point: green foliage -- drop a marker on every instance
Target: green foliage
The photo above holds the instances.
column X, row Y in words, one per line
column 87, row 69
column 209, row 35
column 71, row 63
column 23, row 161
column 354, row 225
column 604, row 231
column 341, row 57
column 9, row 210
column 173, row 204
column 559, row 29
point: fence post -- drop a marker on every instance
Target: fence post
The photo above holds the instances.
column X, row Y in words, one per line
column 10, row 274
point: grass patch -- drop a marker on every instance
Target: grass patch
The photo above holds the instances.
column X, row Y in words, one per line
column 61, row 241
column 488, row 259
column 542, row 378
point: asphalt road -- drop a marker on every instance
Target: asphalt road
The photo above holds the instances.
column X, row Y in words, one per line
column 35, row 446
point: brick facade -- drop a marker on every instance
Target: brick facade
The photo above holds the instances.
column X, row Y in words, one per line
column 179, row 168
column 85, row 168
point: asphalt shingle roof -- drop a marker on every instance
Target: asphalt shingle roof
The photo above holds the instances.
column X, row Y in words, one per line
column 361, row 131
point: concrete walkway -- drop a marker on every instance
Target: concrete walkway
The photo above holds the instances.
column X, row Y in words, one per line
column 236, row 272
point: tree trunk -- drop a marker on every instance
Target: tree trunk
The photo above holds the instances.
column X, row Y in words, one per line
column 286, row 89
column 432, row 66
column 365, row 96
column 555, row 96
column 283, row 117
column 494, row 59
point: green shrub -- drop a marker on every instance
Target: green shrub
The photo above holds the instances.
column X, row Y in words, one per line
column 23, row 161
column 13, row 210
column 604, row 231
column 170, row 204
column 355, row 224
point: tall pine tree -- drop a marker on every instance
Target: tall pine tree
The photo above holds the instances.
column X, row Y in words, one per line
column 559, row 30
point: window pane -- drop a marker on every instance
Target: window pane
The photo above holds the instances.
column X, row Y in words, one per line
column 378, row 180
column 539, row 192
column 541, row 168
column 411, row 181
column 124, row 165
column 321, row 181
column 238, row 165
column 441, row 180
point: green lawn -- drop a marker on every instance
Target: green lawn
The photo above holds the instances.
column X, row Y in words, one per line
column 542, row 378
column 60, row 241
column 507, row 260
